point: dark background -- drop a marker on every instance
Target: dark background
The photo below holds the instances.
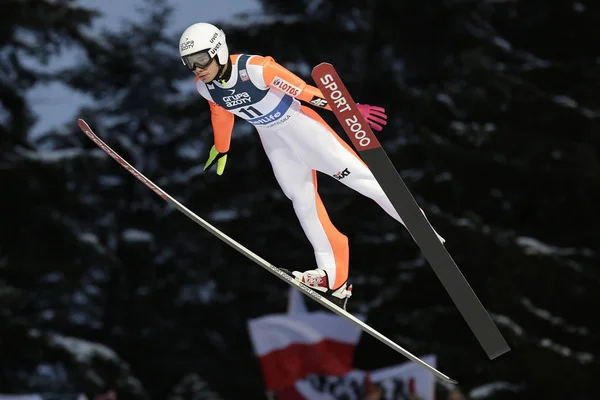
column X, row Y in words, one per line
column 493, row 124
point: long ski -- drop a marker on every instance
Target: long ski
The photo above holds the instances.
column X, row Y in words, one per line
column 254, row 257
column 365, row 142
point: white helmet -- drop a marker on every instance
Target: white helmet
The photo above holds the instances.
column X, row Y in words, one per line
column 203, row 41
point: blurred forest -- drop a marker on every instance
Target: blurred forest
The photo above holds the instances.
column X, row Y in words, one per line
column 493, row 123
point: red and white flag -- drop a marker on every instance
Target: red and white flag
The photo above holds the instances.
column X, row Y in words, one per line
column 300, row 343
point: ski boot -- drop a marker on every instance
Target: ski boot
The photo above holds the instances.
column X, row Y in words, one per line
column 317, row 279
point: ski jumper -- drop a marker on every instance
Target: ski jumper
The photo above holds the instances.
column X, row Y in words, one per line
column 298, row 143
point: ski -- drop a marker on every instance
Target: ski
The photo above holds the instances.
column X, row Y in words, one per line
column 254, row 257
column 365, row 142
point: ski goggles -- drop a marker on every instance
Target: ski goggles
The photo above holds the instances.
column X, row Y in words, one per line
column 200, row 59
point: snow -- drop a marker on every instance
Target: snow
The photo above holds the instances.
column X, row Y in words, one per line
column 92, row 239
column 92, row 290
column 48, row 315
column 26, row 38
column 414, row 175
column 564, row 351
column 552, row 319
column 534, row 246
column 584, row 358
column 502, row 43
column 397, row 142
column 313, row 6
column 445, row 99
column 181, row 177
column 566, row 101
column 464, row 223
column 571, row 103
column 509, row 323
column 190, row 151
column 590, row 113
column 458, row 127
column 80, row 298
column 89, row 238
column 224, row 215
column 482, row 29
column 110, row 180
column 83, row 350
column 49, row 375
column 485, row 391
column 350, row 25
column 98, row 274
column 79, row 318
column 136, row 235
column 198, row 293
column 52, row 277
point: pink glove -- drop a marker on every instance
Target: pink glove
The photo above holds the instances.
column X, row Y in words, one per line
column 374, row 115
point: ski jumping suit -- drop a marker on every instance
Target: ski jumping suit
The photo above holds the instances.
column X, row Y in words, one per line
column 298, row 142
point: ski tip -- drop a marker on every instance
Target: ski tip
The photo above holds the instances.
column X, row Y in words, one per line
column 82, row 124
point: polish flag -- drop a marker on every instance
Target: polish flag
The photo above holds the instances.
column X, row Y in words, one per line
column 300, row 343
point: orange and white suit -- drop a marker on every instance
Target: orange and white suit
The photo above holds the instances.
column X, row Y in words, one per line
column 298, row 143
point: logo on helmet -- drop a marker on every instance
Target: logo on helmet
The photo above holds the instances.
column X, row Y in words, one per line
column 214, row 37
column 188, row 44
column 214, row 50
